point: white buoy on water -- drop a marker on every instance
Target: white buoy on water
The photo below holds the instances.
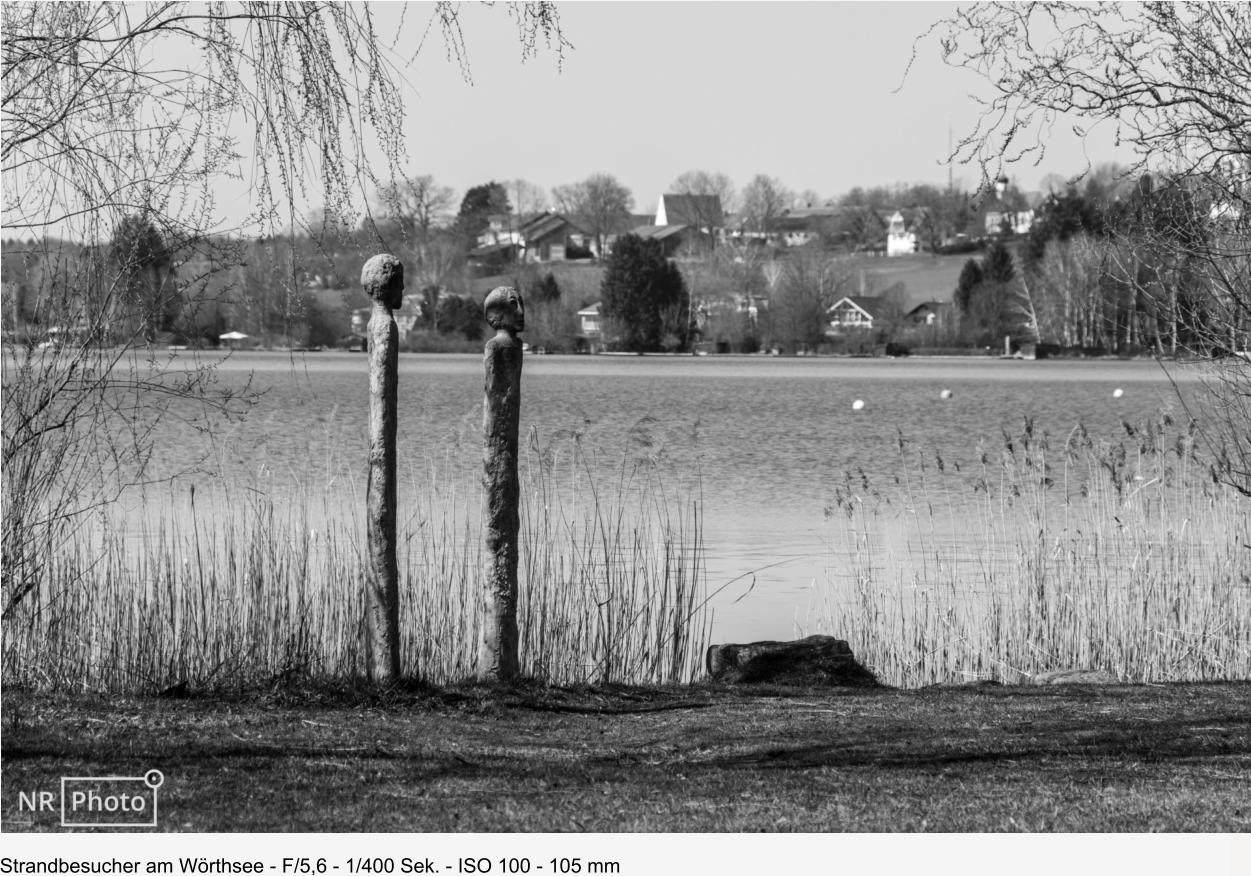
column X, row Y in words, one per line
column 946, row 393
column 1118, row 392
column 857, row 404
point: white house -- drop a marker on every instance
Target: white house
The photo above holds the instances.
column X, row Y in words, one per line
column 592, row 333
column 854, row 312
column 900, row 239
column 1020, row 221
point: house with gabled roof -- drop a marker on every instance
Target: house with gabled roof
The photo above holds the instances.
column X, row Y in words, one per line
column 800, row 226
column 1002, row 214
column 703, row 212
column 621, row 226
column 854, row 312
column 931, row 313
column 673, row 238
column 550, row 237
column 504, row 228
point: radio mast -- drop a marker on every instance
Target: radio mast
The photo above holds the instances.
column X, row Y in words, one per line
column 950, row 186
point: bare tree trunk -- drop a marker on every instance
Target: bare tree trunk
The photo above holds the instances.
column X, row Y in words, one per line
column 1172, row 317
column 498, row 658
column 383, row 279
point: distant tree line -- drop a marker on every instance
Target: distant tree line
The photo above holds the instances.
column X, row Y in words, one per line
column 1103, row 268
column 299, row 288
column 1106, row 269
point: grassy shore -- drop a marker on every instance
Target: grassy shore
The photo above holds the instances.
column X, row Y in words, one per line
column 694, row 758
column 1101, row 556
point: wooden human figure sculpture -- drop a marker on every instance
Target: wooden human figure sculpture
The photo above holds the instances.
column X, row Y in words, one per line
column 383, row 280
column 497, row 654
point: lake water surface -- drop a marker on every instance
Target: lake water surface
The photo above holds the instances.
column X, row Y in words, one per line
column 770, row 438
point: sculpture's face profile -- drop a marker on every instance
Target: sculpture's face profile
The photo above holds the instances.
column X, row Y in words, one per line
column 505, row 310
column 383, row 280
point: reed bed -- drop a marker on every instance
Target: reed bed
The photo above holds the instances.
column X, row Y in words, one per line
column 235, row 588
column 1120, row 555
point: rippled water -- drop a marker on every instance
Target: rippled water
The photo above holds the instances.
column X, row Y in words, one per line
column 770, row 438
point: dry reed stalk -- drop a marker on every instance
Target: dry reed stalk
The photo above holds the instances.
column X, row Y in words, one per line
column 1109, row 557
column 228, row 591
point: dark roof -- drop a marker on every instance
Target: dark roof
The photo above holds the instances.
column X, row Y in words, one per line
column 699, row 210
column 490, row 249
column 787, row 222
column 815, row 212
column 934, row 306
column 868, row 212
column 624, row 223
column 658, row 232
column 545, row 224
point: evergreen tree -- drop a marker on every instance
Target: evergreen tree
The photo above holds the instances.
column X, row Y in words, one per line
column 462, row 316
column 476, row 208
column 970, row 278
column 545, row 289
column 645, row 297
column 986, row 296
column 1059, row 218
column 997, row 266
column 145, row 277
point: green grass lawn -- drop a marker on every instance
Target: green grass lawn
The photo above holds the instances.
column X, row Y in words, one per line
column 1075, row 758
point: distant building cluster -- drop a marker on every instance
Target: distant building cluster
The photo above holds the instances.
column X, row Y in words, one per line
column 688, row 223
column 681, row 221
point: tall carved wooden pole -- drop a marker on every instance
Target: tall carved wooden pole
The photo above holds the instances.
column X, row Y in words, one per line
column 497, row 653
column 383, row 280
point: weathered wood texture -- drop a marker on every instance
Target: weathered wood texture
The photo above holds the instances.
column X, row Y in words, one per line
column 816, row 660
column 383, row 280
column 498, row 658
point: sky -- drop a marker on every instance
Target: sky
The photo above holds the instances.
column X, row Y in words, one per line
column 811, row 93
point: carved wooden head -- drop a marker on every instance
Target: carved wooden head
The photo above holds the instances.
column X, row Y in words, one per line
column 505, row 310
column 383, row 280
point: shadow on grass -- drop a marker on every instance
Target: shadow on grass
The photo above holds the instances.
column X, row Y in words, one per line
column 907, row 730
column 1145, row 742
column 478, row 757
